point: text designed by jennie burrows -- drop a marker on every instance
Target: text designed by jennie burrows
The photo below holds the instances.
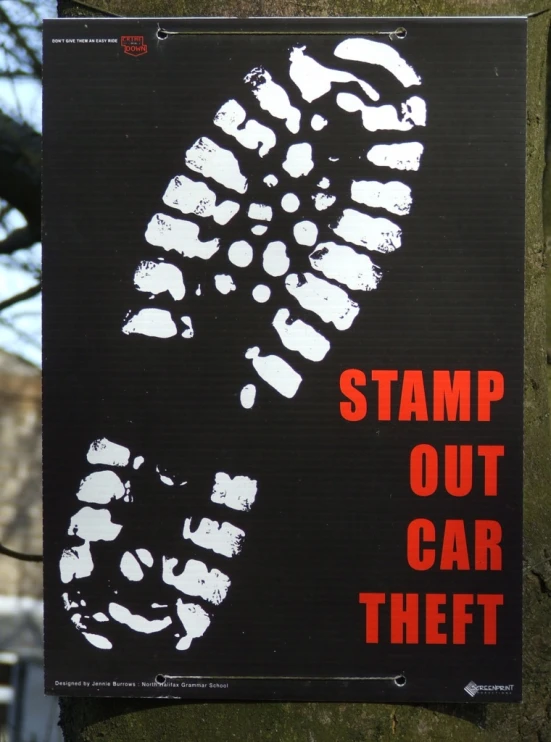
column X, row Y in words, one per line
column 455, row 544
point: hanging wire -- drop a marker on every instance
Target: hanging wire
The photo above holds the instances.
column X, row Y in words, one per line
column 164, row 33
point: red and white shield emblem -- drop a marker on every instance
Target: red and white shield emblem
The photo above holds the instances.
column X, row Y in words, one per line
column 134, row 45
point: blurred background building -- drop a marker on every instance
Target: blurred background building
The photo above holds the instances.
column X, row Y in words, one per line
column 26, row 715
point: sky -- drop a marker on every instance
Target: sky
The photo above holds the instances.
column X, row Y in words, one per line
column 20, row 325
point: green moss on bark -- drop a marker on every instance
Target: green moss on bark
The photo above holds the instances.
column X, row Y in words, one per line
column 166, row 8
column 91, row 720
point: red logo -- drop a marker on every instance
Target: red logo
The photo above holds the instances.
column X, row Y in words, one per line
column 133, row 45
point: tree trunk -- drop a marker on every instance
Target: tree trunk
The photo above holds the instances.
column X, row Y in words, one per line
column 134, row 720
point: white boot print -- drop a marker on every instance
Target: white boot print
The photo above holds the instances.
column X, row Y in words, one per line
column 219, row 232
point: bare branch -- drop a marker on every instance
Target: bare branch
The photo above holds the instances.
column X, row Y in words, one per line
column 23, row 314
column 20, row 171
column 19, row 555
column 26, row 337
column 12, row 51
column 21, row 41
column 4, row 211
column 23, row 296
column 15, row 74
column 19, row 239
column 31, row 7
column 30, row 26
column 19, row 263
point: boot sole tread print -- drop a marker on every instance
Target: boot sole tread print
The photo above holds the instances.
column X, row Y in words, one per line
column 324, row 268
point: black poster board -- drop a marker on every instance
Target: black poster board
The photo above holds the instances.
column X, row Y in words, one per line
column 283, row 331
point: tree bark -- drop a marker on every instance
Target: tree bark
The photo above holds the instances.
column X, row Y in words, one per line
column 134, row 720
